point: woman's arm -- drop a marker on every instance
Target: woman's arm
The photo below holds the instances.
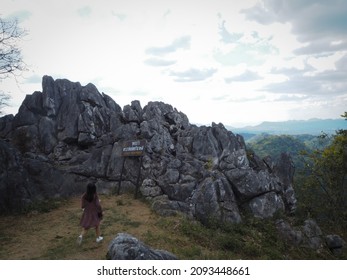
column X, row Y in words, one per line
column 83, row 201
column 97, row 203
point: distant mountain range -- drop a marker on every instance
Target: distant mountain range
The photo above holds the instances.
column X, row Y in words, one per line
column 293, row 127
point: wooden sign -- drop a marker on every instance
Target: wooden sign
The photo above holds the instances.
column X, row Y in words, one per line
column 133, row 148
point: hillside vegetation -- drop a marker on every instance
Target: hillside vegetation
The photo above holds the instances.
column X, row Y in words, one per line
column 321, row 173
column 273, row 145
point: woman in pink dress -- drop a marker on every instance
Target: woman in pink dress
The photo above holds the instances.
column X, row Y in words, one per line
column 92, row 213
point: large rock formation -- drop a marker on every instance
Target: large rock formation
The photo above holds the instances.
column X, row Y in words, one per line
column 69, row 134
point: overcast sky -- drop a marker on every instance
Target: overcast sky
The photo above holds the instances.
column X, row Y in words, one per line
column 235, row 62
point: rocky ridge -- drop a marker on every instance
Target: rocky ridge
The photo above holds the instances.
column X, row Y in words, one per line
column 69, row 134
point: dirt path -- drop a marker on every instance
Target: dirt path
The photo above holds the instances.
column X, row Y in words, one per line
column 53, row 235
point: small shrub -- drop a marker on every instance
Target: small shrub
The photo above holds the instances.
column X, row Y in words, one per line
column 120, row 202
column 193, row 252
column 43, row 206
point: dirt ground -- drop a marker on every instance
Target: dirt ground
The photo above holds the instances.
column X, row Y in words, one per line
column 53, row 235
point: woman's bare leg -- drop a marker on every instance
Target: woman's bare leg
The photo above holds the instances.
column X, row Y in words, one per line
column 80, row 238
column 84, row 231
column 97, row 231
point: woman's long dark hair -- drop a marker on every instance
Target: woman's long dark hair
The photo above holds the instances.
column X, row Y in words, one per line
column 91, row 191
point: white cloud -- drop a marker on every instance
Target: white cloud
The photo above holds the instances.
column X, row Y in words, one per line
column 193, row 75
column 85, row 11
column 33, row 79
column 341, row 64
column 247, row 76
column 153, row 61
column 228, row 37
column 119, row 16
column 268, row 62
column 20, row 15
column 326, row 83
column 317, row 23
column 179, row 43
column 250, row 49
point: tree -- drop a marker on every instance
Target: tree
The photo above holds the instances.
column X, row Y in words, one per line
column 4, row 98
column 11, row 61
column 323, row 189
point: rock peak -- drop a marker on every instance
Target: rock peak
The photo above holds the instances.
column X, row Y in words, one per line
column 69, row 134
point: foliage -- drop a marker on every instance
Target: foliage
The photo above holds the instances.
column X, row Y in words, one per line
column 4, row 98
column 320, row 178
column 274, row 145
column 254, row 238
column 322, row 187
column 11, row 62
column 43, row 206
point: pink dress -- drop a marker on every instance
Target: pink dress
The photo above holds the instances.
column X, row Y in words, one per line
column 90, row 217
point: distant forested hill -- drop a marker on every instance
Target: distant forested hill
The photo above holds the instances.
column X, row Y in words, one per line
column 274, row 138
column 313, row 127
column 273, row 145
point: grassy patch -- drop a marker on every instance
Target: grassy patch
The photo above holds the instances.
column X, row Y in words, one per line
column 52, row 234
column 43, row 206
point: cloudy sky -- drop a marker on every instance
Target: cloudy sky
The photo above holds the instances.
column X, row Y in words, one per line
column 235, row 62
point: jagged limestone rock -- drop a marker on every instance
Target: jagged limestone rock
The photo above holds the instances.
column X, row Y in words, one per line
column 290, row 235
column 335, row 244
column 27, row 178
column 308, row 235
column 203, row 172
column 266, row 205
column 285, row 169
column 214, row 202
column 127, row 247
column 150, row 189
